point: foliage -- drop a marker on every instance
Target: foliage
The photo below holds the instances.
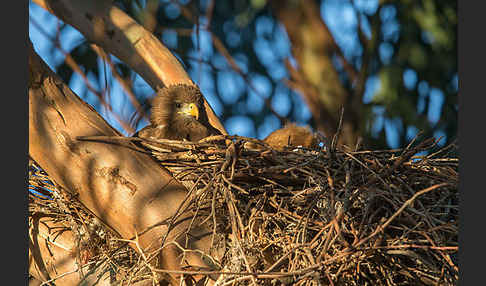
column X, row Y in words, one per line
column 404, row 54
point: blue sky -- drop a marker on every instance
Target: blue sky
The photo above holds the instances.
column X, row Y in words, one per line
column 339, row 15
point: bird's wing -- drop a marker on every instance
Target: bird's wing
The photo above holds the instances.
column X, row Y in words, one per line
column 151, row 131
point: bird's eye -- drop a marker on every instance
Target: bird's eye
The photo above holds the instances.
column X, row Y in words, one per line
column 178, row 105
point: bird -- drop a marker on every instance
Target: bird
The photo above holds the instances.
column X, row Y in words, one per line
column 178, row 113
column 290, row 135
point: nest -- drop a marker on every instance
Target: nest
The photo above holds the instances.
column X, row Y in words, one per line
column 97, row 247
column 319, row 216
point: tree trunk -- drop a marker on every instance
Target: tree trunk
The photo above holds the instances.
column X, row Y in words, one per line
column 316, row 78
column 125, row 189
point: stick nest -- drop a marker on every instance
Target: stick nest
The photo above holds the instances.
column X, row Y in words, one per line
column 317, row 216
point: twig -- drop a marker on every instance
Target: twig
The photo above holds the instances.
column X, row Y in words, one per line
column 399, row 211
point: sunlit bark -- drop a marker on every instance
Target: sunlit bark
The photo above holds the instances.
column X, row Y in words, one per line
column 125, row 189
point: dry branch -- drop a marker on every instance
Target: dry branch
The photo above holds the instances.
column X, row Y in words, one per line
column 307, row 217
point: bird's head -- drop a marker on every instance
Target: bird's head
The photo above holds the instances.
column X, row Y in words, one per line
column 187, row 109
column 176, row 103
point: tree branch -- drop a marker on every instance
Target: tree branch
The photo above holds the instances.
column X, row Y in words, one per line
column 316, row 77
column 117, row 33
column 125, row 189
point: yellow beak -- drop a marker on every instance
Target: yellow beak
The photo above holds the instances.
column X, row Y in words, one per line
column 191, row 110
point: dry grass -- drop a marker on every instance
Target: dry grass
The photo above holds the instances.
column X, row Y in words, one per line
column 308, row 217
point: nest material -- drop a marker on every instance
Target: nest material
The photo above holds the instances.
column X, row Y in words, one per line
column 321, row 217
column 97, row 247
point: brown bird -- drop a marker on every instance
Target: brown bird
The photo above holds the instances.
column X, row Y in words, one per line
column 289, row 135
column 178, row 113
